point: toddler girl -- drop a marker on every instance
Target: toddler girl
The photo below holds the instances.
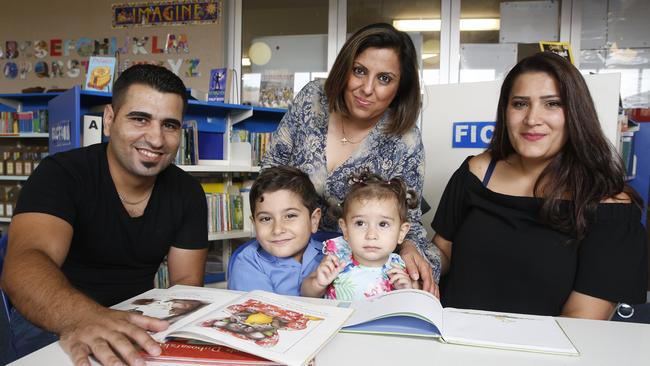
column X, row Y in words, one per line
column 362, row 264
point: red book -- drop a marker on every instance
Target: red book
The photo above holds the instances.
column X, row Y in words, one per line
column 189, row 351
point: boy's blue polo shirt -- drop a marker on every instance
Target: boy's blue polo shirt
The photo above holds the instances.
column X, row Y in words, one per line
column 255, row 269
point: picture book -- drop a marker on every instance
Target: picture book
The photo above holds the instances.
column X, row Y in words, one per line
column 219, row 85
column 100, row 74
column 197, row 352
column 276, row 89
column 420, row 314
column 561, row 48
column 274, row 327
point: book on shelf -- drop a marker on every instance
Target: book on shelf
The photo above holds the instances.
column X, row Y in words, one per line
column 259, row 142
column 92, row 130
column 420, row 314
column 276, row 89
column 100, row 73
column 23, row 122
column 274, row 327
column 188, row 150
column 220, row 85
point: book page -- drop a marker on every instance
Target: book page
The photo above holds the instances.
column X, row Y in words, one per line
column 268, row 325
column 415, row 303
column 505, row 330
column 174, row 304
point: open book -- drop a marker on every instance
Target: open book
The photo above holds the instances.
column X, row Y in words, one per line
column 418, row 313
column 263, row 324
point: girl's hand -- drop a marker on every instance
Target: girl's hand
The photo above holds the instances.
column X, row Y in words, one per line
column 400, row 279
column 327, row 270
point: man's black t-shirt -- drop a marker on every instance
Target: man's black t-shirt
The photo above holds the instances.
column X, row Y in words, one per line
column 113, row 256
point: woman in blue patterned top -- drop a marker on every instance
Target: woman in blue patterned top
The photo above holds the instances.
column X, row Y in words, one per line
column 362, row 117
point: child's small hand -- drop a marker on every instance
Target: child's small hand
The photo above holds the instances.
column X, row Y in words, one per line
column 327, row 270
column 400, row 279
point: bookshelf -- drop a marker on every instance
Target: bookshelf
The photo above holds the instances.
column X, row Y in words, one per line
column 24, row 147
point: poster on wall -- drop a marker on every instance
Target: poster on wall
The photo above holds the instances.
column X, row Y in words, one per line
column 172, row 12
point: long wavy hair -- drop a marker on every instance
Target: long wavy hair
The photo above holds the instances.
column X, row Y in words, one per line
column 587, row 169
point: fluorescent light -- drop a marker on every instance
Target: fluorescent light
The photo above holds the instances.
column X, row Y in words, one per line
column 245, row 61
column 428, row 55
column 479, row 24
column 417, row 25
column 433, row 25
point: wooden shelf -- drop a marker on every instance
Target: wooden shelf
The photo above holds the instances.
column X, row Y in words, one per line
column 232, row 234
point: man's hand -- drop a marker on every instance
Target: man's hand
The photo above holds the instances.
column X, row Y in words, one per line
column 418, row 267
column 110, row 335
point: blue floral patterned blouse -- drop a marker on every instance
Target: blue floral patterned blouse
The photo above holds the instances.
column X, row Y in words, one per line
column 300, row 141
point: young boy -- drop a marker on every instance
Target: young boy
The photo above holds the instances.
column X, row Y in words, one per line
column 285, row 214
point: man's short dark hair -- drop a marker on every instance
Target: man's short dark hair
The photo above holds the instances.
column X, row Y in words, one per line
column 284, row 177
column 156, row 77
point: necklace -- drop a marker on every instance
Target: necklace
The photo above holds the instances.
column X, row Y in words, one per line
column 136, row 202
column 344, row 140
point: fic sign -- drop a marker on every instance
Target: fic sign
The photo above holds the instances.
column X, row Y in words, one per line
column 472, row 134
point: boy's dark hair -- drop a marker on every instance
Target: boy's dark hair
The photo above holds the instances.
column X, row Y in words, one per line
column 366, row 185
column 156, row 77
column 284, row 177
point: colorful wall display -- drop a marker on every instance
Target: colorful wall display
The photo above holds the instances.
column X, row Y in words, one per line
column 171, row 12
column 57, row 58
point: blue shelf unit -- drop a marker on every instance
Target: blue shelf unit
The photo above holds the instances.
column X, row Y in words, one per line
column 25, row 102
column 641, row 181
column 67, row 109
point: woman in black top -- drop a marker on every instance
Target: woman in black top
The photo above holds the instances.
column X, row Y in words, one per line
column 542, row 222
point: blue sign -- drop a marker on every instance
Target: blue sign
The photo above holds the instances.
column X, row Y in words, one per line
column 472, row 134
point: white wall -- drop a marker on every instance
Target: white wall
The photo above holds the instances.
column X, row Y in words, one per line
column 445, row 104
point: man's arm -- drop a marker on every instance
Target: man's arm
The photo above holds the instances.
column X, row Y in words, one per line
column 38, row 246
column 186, row 266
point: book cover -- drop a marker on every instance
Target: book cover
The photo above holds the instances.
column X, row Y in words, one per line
column 276, row 89
column 92, row 130
column 561, row 48
column 100, row 74
column 219, row 85
column 274, row 327
column 418, row 313
column 191, row 351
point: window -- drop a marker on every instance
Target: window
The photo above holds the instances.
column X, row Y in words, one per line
column 420, row 18
column 284, row 43
column 495, row 34
column 614, row 38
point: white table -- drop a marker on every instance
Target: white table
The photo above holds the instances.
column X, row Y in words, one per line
column 599, row 343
